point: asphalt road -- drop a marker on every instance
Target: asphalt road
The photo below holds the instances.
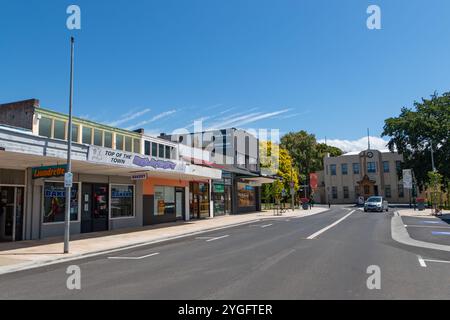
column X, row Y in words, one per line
column 276, row 259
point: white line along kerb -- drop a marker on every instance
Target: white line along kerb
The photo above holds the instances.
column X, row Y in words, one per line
column 214, row 239
column 134, row 258
column 318, row 233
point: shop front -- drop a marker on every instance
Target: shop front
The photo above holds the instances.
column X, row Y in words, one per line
column 12, row 205
column 199, row 200
column 221, row 196
column 97, row 203
column 246, row 197
column 164, row 200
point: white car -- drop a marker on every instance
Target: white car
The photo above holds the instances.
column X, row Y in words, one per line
column 376, row 204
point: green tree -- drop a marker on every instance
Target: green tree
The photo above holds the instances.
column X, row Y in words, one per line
column 307, row 153
column 415, row 131
column 277, row 161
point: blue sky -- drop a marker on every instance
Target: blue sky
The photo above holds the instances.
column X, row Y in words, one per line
column 286, row 64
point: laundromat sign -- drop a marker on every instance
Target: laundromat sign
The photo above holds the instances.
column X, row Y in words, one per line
column 49, row 171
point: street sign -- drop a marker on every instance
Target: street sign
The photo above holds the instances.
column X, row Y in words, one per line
column 68, row 179
column 136, row 177
column 407, row 179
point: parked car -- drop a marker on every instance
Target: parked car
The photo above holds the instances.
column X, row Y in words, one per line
column 376, row 204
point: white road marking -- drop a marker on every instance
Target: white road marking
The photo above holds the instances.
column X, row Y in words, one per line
column 218, row 238
column 434, row 227
column 267, row 225
column 134, row 258
column 438, row 261
column 318, row 233
column 422, row 262
column 203, row 238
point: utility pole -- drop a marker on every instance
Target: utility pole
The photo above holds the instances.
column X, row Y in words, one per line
column 69, row 158
column 292, row 190
column 432, row 157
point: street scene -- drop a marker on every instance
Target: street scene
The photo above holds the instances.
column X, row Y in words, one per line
column 214, row 151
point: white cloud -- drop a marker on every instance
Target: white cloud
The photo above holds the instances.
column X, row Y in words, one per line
column 155, row 118
column 128, row 117
column 239, row 120
column 376, row 143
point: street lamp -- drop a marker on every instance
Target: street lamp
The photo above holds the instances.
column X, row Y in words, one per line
column 68, row 175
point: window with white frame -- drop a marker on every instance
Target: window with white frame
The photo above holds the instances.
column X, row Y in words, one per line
column 122, row 201
column 54, row 203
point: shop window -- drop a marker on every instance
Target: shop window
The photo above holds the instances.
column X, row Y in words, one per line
column 122, row 201
column 59, row 130
column 167, row 152
column 164, row 201
column 87, row 135
column 128, row 144
column 119, row 142
column 45, row 127
column 154, row 149
column 147, row 148
column 246, row 195
column 108, row 139
column 98, row 138
column 161, row 151
column 75, row 133
column 55, row 202
column 136, row 146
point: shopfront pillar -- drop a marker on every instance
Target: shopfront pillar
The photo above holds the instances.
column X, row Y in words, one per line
column 187, row 210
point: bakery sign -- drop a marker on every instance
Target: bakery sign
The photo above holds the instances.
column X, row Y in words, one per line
column 129, row 159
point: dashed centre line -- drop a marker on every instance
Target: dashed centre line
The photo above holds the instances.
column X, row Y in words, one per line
column 318, row 233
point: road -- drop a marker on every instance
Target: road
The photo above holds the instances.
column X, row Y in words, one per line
column 325, row 256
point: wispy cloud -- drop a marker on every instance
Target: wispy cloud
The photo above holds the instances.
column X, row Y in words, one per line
column 155, row 118
column 376, row 143
column 261, row 117
column 129, row 116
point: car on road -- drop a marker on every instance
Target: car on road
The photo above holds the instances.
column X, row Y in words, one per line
column 376, row 204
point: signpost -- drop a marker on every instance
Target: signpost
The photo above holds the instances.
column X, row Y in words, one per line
column 408, row 183
column 68, row 177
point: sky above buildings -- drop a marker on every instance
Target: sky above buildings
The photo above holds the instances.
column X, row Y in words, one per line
column 287, row 64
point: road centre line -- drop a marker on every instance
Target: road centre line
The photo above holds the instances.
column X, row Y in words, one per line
column 318, row 233
column 218, row 238
column 267, row 225
column 134, row 258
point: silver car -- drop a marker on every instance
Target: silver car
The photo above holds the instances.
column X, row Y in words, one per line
column 376, row 204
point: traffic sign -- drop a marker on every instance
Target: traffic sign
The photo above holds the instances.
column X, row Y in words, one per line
column 68, row 179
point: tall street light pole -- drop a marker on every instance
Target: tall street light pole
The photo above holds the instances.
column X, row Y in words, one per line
column 69, row 158
column 432, row 157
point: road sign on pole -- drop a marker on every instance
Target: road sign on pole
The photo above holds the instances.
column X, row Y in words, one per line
column 407, row 179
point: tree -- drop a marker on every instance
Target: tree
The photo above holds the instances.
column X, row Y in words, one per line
column 415, row 132
column 277, row 161
column 306, row 153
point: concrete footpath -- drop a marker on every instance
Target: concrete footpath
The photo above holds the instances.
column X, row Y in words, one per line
column 16, row 256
